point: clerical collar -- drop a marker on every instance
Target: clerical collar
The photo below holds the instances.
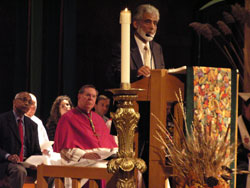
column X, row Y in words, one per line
column 89, row 117
column 82, row 111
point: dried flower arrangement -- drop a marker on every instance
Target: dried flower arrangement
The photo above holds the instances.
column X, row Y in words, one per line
column 224, row 38
column 203, row 160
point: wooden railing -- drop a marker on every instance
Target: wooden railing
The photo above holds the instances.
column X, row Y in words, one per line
column 75, row 173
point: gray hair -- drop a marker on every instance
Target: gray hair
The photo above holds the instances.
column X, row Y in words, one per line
column 33, row 98
column 145, row 8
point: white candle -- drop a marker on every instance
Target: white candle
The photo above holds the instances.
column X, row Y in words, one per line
column 125, row 21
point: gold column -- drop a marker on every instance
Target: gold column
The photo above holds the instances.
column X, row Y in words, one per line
column 125, row 120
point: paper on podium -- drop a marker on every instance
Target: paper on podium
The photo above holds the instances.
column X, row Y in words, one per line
column 46, row 145
column 179, row 70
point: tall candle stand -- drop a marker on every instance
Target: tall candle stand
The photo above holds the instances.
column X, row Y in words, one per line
column 125, row 120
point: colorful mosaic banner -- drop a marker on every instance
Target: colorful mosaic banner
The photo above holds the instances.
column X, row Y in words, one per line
column 212, row 97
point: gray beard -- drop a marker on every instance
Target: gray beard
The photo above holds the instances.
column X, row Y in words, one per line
column 143, row 35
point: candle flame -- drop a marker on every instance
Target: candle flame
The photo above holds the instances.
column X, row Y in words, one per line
column 126, row 9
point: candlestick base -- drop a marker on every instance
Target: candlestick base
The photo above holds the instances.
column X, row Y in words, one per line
column 125, row 120
column 125, row 86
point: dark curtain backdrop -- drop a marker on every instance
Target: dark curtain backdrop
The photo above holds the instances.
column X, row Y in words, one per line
column 14, row 71
column 52, row 48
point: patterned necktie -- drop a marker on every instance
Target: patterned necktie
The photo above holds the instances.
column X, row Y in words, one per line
column 146, row 56
column 20, row 127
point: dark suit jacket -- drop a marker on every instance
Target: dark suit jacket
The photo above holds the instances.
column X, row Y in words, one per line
column 10, row 140
column 114, row 72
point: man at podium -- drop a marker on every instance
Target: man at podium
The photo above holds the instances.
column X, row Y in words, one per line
column 145, row 54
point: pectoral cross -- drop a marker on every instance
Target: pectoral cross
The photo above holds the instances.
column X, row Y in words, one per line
column 92, row 125
column 90, row 120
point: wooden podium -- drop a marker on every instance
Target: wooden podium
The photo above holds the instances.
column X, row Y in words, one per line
column 159, row 90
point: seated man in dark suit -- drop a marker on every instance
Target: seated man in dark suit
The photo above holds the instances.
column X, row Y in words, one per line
column 18, row 140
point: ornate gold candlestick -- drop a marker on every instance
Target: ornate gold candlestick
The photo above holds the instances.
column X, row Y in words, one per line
column 125, row 120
